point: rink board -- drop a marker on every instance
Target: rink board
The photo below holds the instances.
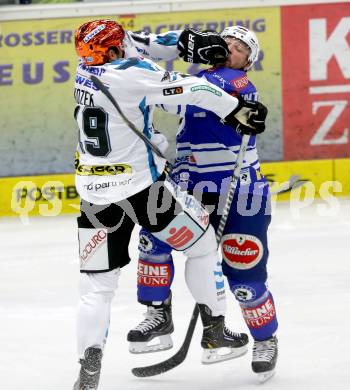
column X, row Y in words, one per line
column 50, row 195
column 307, row 94
column 56, row 194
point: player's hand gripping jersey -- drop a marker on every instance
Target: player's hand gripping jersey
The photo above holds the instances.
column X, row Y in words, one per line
column 207, row 148
column 113, row 162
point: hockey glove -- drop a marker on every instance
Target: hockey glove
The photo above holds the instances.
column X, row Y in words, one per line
column 248, row 117
column 205, row 47
column 160, row 141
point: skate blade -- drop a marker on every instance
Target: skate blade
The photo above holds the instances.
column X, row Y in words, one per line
column 158, row 344
column 265, row 376
column 218, row 355
column 76, row 385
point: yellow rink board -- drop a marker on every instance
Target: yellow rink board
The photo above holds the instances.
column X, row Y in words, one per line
column 56, row 194
column 38, row 195
column 342, row 173
column 317, row 175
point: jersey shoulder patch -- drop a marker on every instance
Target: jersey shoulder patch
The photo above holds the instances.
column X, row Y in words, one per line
column 239, row 81
column 123, row 64
column 168, row 39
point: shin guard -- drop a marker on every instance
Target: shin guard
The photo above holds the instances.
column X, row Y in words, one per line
column 155, row 269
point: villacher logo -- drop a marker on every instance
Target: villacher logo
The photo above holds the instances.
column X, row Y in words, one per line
column 242, row 251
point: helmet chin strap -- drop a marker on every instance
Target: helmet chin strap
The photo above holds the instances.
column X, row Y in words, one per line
column 246, row 66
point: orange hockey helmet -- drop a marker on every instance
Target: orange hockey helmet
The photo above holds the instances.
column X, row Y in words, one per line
column 94, row 39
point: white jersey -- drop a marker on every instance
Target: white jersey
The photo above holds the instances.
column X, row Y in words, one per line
column 156, row 47
column 114, row 163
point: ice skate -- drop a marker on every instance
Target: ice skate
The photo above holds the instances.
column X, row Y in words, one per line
column 265, row 358
column 90, row 370
column 219, row 342
column 153, row 333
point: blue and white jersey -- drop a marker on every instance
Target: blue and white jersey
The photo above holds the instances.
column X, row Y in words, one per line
column 207, row 148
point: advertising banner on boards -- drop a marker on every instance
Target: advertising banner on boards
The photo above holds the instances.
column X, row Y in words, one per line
column 305, row 52
column 37, row 65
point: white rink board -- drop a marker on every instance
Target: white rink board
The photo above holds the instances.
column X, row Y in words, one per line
column 93, row 8
column 309, row 276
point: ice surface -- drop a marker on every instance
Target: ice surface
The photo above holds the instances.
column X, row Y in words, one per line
column 309, row 272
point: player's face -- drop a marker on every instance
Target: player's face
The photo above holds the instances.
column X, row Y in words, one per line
column 239, row 53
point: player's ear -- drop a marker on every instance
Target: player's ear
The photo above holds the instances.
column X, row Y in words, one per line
column 115, row 53
column 112, row 54
column 246, row 66
column 121, row 51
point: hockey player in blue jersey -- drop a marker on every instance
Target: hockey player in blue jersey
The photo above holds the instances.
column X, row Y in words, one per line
column 206, row 153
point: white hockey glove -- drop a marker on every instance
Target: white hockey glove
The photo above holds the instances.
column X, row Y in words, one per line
column 248, row 117
column 159, row 140
column 205, row 47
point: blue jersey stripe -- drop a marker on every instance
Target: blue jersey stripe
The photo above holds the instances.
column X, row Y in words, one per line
column 152, row 166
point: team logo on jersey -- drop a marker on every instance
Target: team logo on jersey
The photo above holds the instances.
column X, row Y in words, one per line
column 206, row 88
column 244, row 177
column 145, row 243
column 184, row 177
column 172, row 91
column 244, row 293
column 261, row 315
column 153, row 275
column 240, row 83
column 242, row 251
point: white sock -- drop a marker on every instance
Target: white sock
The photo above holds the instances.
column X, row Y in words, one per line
column 203, row 273
column 96, row 294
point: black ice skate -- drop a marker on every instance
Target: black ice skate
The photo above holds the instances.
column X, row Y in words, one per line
column 265, row 358
column 218, row 342
column 153, row 333
column 90, row 370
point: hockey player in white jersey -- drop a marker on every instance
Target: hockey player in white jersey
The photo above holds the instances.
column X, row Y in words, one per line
column 122, row 182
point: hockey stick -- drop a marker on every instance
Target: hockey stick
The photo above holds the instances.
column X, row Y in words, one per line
column 98, row 83
column 175, row 360
column 291, row 184
column 233, row 185
column 180, row 356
